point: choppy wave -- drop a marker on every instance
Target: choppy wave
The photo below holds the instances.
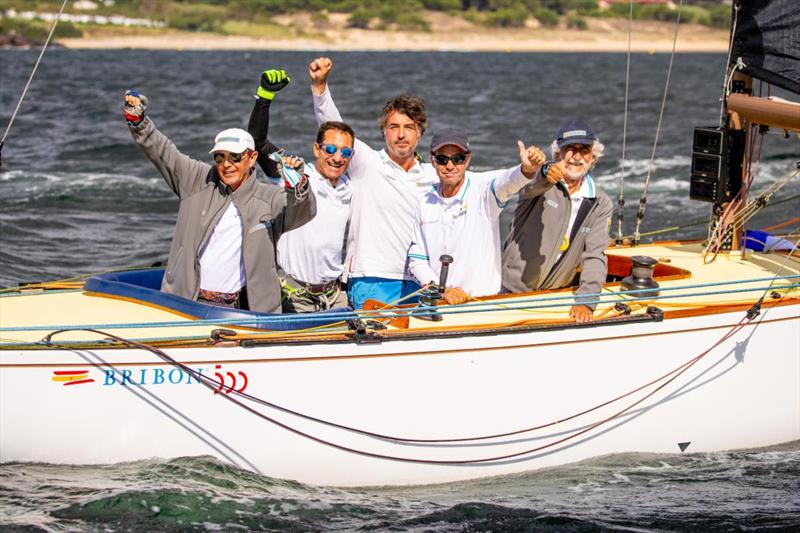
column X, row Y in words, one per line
column 731, row 491
column 671, row 174
column 34, row 187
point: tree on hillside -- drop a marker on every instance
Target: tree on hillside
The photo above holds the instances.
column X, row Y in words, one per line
column 480, row 5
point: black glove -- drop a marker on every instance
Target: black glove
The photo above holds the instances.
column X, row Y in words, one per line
column 134, row 107
column 272, row 81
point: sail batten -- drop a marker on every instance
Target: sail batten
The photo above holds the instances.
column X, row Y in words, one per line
column 767, row 40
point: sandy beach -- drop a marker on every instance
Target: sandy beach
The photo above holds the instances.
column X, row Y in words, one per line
column 297, row 32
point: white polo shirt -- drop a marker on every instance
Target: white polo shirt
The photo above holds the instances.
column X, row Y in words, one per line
column 313, row 252
column 221, row 261
column 385, row 200
column 466, row 227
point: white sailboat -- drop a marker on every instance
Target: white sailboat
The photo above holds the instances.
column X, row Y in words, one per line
column 111, row 370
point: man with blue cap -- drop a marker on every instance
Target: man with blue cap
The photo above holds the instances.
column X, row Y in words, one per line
column 560, row 225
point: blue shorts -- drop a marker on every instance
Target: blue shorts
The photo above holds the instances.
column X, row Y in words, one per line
column 386, row 290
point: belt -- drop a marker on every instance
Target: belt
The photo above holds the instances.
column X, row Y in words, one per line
column 319, row 287
column 220, row 297
column 311, row 288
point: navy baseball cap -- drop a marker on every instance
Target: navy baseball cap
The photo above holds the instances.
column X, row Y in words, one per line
column 447, row 136
column 575, row 131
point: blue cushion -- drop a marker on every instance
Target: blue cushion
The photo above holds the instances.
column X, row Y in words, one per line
column 144, row 286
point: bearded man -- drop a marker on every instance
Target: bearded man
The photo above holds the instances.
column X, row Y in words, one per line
column 560, row 225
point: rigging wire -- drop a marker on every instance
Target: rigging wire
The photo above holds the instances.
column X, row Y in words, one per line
column 621, row 199
column 738, row 211
column 30, row 79
column 729, row 69
column 704, row 221
column 781, row 224
column 643, row 199
column 547, row 302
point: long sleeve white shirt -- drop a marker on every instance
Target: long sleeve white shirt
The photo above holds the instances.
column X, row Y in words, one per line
column 221, row 261
column 385, row 200
column 312, row 253
column 466, row 227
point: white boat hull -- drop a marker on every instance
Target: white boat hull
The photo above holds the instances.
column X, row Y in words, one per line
column 745, row 392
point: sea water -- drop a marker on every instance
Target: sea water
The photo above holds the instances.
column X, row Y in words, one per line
column 746, row 490
column 78, row 197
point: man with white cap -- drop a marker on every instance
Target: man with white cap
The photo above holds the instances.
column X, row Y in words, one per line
column 561, row 222
column 223, row 248
column 460, row 217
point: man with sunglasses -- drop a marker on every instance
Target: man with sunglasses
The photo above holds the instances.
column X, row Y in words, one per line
column 387, row 186
column 460, row 217
column 311, row 258
column 222, row 251
column 561, row 222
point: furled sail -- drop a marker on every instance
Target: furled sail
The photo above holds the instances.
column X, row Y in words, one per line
column 767, row 39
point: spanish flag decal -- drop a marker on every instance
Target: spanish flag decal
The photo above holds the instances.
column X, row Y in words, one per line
column 71, row 377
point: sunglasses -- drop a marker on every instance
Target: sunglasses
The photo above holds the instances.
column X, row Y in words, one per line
column 457, row 159
column 581, row 149
column 330, row 149
column 220, row 157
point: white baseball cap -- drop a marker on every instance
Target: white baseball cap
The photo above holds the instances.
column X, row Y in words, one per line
column 233, row 140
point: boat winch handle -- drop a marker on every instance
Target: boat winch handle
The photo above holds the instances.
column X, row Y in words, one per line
column 446, row 260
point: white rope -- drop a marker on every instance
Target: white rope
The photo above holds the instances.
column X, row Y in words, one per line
column 621, row 200
column 33, row 72
column 643, row 199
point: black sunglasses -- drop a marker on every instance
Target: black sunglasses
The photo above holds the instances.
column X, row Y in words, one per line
column 220, row 157
column 457, row 159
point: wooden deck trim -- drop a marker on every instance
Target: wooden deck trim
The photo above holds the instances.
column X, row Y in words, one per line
column 394, row 354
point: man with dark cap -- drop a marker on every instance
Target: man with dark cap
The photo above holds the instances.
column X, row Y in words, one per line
column 460, row 216
column 560, row 225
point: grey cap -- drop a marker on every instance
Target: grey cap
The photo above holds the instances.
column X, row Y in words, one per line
column 448, row 136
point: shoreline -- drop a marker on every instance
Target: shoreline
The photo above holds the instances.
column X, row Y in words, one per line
column 232, row 43
column 602, row 36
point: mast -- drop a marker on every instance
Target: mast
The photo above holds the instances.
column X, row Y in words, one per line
column 765, row 46
column 742, row 85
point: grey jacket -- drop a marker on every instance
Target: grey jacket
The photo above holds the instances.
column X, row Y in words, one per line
column 266, row 210
column 531, row 249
